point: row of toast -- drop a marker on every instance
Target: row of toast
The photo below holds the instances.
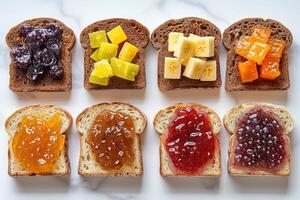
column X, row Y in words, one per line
column 114, row 54
column 189, row 140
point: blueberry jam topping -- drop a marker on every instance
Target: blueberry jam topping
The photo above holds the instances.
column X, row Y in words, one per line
column 40, row 53
column 260, row 142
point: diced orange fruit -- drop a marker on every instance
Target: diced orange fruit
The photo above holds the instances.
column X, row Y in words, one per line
column 243, row 46
column 248, row 71
column 269, row 70
column 277, row 47
column 258, row 52
column 260, row 34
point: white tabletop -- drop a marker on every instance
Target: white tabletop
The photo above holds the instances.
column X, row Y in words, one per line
column 77, row 15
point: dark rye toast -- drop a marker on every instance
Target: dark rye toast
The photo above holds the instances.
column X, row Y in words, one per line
column 20, row 83
column 159, row 39
column 243, row 27
column 136, row 33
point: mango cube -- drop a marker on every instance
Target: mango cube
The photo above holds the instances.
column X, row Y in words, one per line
column 172, row 68
column 117, row 35
column 172, row 40
column 128, row 52
column 270, row 68
column 204, row 46
column 194, row 68
column 277, row 47
column 185, row 48
column 258, row 52
column 105, row 51
column 123, row 69
column 101, row 73
column 248, row 71
column 260, row 34
column 96, row 38
column 243, row 46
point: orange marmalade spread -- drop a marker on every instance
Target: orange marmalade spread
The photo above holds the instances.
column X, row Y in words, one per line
column 38, row 142
column 111, row 140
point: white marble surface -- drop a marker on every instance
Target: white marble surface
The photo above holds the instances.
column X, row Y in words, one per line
column 78, row 14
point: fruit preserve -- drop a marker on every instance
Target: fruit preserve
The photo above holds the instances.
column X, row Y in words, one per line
column 190, row 142
column 111, row 139
column 38, row 142
column 260, row 142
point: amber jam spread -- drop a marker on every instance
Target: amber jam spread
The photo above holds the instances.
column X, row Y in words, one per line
column 38, row 142
column 190, row 142
column 260, row 142
column 111, row 140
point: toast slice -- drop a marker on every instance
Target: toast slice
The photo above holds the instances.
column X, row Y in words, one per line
column 243, row 27
column 62, row 167
column 18, row 81
column 160, row 123
column 231, row 119
column 187, row 25
column 88, row 166
column 136, row 33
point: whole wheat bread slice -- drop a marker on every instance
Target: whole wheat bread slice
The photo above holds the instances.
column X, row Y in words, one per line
column 62, row 167
column 136, row 33
column 160, row 123
column 231, row 120
column 18, row 81
column 187, row 25
column 88, row 166
column 244, row 27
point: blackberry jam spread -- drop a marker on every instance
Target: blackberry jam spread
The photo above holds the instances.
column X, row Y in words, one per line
column 190, row 142
column 260, row 142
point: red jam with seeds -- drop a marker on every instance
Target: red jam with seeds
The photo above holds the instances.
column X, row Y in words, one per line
column 190, row 142
column 111, row 140
column 260, row 142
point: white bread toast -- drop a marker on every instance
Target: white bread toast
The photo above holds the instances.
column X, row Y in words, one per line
column 230, row 122
column 161, row 122
column 88, row 166
column 62, row 167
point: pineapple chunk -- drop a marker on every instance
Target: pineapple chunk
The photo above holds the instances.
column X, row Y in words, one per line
column 128, row 52
column 172, row 40
column 96, row 38
column 117, row 35
column 101, row 73
column 204, row 46
column 172, row 68
column 210, row 71
column 123, row 69
column 194, row 68
column 185, row 48
column 105, row 51
column 99, row 81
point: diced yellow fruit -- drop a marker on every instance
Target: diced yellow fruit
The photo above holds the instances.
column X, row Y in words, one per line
column 210, row 71
column 102, row 69
column 194, row 68
column 99, row 81
column 204, row 46
column 128, row 52
column 105, row 51
column 96, row 38
column 172, row 68
column 185, row 48
column 117, row 35
column 123, row 69
column 172, row 40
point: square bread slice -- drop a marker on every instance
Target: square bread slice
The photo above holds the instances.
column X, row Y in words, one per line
column 161, row 121
column 136, row 33
column 231, row 36
column 187, row 25
column 231, row 120
column 62, row 167
column 88, row 166
column 18, row 82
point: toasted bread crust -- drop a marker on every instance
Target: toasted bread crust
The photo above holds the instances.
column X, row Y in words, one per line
column 66, row 146
column 137, row 35
column 18, row 80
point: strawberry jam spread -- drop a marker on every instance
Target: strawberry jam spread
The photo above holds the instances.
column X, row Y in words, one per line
column 260, row 142
column 111, row 140
column 190, row 142
column 38, row 142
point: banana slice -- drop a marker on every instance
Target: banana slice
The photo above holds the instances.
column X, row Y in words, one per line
column 204, row 46
column 172, row 40
column 172, row 69
column 194, row 68
column 185, row 48
column 210, row 71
